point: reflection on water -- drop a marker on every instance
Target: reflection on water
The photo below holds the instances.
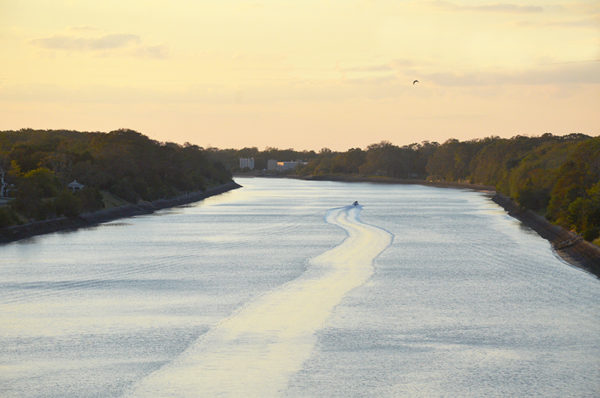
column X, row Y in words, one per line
column 462, row 303
column 274, row 334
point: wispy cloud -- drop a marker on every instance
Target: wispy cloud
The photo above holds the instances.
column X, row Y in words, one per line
column 495, row 7
column 402, row 62
column 554, row 74
column 393, row 65
column 368, row 68
column 578, row 23
column 80, row 40
column 82, row 28
column 159, row 51
column 106, row 42
column 373, row 80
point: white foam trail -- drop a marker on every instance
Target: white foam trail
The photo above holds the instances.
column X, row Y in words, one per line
column 254, row 352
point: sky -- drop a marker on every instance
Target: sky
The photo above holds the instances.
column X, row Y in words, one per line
column 302, row 74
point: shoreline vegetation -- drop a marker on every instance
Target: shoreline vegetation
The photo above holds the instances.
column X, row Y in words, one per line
column 52, row 180
column 91, row 219
column 570, row 246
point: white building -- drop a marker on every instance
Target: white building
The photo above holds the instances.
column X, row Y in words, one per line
column 247, row 163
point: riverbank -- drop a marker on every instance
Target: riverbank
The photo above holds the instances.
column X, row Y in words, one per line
column 18, row 232
column 569, row 246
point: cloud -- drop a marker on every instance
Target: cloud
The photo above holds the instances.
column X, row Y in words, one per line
column 81, row 39
column 82, row 28
column 373, row 81
column 106, row 42
column 159, row 51
column 395, row 64
column 368, row 68
column 496, row 7
column 551, row 74
column 579, row 23
column 402, row 62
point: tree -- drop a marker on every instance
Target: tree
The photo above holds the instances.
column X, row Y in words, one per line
column 67, row 204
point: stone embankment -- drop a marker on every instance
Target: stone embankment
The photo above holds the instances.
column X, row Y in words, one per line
column 17, row 232
column 568, row 245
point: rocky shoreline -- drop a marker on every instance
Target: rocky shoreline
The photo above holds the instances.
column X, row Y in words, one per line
column 18, row 232
column 568, row 245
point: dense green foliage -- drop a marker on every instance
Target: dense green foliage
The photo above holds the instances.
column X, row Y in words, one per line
column 558, row 176
column 127, row 164
column 555, row 176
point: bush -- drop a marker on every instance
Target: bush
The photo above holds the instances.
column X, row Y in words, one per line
column 591, row 234
column 124, row 190
column 67, row 204
column 44, row 180
column 90, row 199
column 7, row 217
column 535, row 199
column 45, row 209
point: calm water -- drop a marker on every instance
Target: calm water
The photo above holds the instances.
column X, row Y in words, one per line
column 280, row 289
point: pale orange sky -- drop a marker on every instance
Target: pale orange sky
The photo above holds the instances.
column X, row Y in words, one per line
column 303, row 74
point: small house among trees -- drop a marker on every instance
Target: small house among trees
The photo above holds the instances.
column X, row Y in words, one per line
column 75, row 186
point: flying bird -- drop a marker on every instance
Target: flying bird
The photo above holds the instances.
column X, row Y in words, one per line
column 415, row 82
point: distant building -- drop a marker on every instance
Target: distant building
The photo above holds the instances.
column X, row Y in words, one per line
column 75, row 186
column 287, row 165
column 284, row 165
column 247, row 163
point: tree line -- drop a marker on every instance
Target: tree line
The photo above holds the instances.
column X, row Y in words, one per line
column 556, row 176
column 120, row 166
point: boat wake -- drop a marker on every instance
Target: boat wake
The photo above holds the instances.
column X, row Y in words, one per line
column 255, row 351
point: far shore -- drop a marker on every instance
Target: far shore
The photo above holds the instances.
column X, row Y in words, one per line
column 568, row 245
column 18, row 232
column 375, row 179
